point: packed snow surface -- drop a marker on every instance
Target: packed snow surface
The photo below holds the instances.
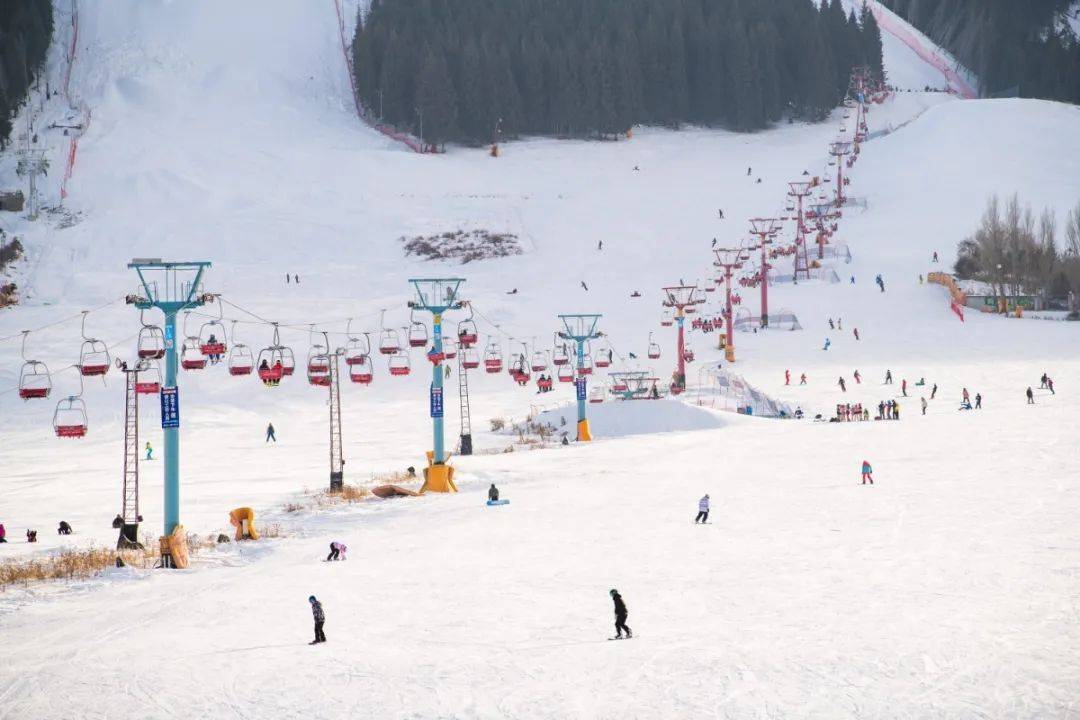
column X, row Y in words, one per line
column 225, row 131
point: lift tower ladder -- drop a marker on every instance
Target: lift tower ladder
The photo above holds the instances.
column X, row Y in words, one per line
column 463, row 404
column 129, row 531
column 337, row 458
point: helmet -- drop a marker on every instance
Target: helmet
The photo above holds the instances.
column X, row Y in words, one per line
column 311, row 599
column 614, row 591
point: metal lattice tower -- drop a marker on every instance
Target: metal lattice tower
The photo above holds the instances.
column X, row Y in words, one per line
column 840, row 150
column 680, row 297
column 130, row 512
column 765, row 229
column 337, row 458
column 730, row 260
column 463, row 404
column 799, row 191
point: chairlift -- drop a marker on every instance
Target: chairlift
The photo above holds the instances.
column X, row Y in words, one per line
column 94, row 357
column 151, row 344
column 519, row 370
column 272, row 361
column 586, row 366
column 400, row 364
column 318, row 373
column 493, row 358
column 539, row 361
column 667, row 319
column 654, row 349
column 559, row 355
column 211, row 343
column 688, row 353
column 362, row 372
column 470, row 358
column 69, row 418
column 148, row 380
column 191, row 356
column 603, row 358
column 449, row 347
column 596, row 394
column 240, row 360
column 356, row 349
column 389, row 342
column 466, row 331
column 418, row 334
column 566, row 374
column 35, row 382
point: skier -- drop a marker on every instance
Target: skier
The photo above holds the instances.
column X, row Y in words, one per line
column 802, row 379
column 827, row 344
column 903, row 387
column 935, row 258
column 721, row 211
column 1042, row 381
column 933, row 391
column 1030, row 397
column 748, row 171
column 270, row 433
column 881, row 410
column 888, row 377
column 842, row 384
column 867, row 473
column 714, row 242
column 620, row 615
column 149, row 451
column 922, row 401
column 858, row 378
column 288, row 278
column 831, row 326
column 337, row 551
column 320, row 618
column 787, row 377
column 880, row 282
column 1050, row 385
column 852, row 279
column 895, row 411
column 978, row 401
column 856, row 333
column 3, row 533
column 493, row 493
column 64, row 528
column 296, row 279
column 920, row 279
column 703, row 510
column 583, row 285
column 965, row 396
column 600, row 245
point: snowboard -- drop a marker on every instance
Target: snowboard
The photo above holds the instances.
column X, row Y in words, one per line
column 497, row 502
column 622, row 638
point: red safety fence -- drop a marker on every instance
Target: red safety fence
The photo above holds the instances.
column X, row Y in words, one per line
column 957, row 298
column 73, row 148
column 921, row 47
column 405, row 138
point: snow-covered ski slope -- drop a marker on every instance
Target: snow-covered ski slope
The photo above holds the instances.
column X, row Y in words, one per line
column 225, row 131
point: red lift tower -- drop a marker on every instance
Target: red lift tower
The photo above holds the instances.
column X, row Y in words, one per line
column 765, row 229
column 799, row 192
column 840, row 151
column 681, row 299
column 730, row 260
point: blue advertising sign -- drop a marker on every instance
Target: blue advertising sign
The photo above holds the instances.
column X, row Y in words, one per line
column 170, row 336
column 580, row 383
column 436, row 402
column 170, row 407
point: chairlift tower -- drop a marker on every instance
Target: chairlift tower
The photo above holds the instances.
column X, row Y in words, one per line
column 337, row 457
column 839, row 150
column 581, row 329
column 437, row 295
column 730, row 260
column 799, row 191
column 679, row 298
column 32, row 163
column 129, row 530
column 765, row 229
column 170, row 287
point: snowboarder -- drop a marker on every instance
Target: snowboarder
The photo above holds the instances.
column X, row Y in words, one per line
column 802, row 379
column 337, row 551
column 922, row 401
column 270, row 433
column 827, row 344
column 933, row 391
column 493, row 493
column 320, row 618
column 759, row 181
column 64, row 528
column 1030, row 397
column 842, row 384
column 858, row 378
column 856, row 333
column 903, row 387
column 978, row 401
column 867, row 473
column 512, row 292
column 787, row 377
column 620, row 615
column 888, row 377
column 565, row 441
column 149, row 451
column 583, row 285
column 703, row 510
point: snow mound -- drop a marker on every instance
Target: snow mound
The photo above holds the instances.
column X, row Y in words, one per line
column 639, row 417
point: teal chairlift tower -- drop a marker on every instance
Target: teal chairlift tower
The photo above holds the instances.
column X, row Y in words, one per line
column 581, row 329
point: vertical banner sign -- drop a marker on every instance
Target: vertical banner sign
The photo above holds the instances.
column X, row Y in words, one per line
column 580, row 383
column 170, row 407
column 170, row 337
column 436, row 402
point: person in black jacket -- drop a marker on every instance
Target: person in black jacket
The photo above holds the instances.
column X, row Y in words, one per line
column 493, row 493
column 320, row 618
column 620, row 615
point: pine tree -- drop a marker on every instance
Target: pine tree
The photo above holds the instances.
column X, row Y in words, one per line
column 436, row 100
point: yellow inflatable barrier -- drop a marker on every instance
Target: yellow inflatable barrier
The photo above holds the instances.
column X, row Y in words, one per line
column 438, row 477
column 243, row 519
column 583, row 434
column 174, row 549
